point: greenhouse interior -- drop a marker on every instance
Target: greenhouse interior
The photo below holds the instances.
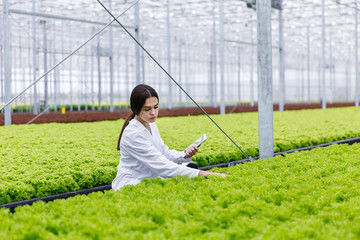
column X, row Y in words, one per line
column 271, row 85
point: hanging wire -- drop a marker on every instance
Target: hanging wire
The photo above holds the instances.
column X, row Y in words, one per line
column 36, row 117
column 157, row 63
column 72, row 53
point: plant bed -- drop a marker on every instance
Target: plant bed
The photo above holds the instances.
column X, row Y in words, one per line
column 13, row 205
column 311, row 194
column 46, row 159
column 91, row 116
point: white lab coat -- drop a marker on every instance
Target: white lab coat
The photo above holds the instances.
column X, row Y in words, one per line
column 144, row 155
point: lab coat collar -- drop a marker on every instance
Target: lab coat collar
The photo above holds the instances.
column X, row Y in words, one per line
column 141, row 126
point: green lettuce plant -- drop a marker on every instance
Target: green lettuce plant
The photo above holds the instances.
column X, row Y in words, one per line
column 46, row 159
column 304, row 195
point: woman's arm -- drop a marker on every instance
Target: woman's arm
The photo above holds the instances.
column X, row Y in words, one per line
column 205, row 173
column 150, row 156
column 178, row 156
column 172, row 155
column 141, row 149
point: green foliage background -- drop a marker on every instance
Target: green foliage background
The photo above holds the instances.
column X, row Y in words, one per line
column 307, row 195
column 46, row 159
column 292, row 129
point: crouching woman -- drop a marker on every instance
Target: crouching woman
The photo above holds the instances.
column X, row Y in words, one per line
column 143, row 152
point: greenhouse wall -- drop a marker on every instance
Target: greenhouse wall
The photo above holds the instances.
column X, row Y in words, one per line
column 48, row 32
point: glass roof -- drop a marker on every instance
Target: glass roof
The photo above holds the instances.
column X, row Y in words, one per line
column 194, row 31
column 191, row 22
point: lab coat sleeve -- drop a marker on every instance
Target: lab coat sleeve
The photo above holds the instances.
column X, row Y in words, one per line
column 140, row 147
column 173, row 155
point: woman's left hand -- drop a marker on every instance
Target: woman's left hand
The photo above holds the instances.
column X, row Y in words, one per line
column 191, row 151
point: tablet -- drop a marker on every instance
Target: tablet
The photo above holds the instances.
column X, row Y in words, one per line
column 197, row 143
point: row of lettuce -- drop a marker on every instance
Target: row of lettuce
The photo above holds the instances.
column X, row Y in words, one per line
column 68, row 107
column 47, row 159
column 305, row 195
column 26, row 107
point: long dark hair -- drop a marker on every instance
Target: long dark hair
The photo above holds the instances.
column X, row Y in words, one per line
column 137, row 100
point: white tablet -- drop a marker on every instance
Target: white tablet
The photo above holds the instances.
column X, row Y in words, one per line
column 197, row 143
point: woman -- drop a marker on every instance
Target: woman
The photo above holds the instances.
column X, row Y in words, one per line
column 143, row 152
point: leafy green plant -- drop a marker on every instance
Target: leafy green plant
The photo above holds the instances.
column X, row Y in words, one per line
column 46, row 159
column 292, row 129
column 308, row 195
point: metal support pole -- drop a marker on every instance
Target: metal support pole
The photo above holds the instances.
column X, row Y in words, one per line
column 302, row 80
column 99, row 74
column 61, row 79
column 334, row 80
column 308, row 64
column 79, row 77
column 137, row 48
column 211, row 85
column 356, row 58
column 252, row 68
column 6, row 62
column 84, row 82
column 46, row 80
column 347, row 80
column 281, row 64
column 142, row 60
column 222, row 70
column 119, row 78
column 319, row 80
column 187, row 82
column 323, row 89
column 92, row 80
column 70, row 79
column 111, row 62
column 169, row 53
column 180, row 70
column 127, row 76
column 239, row 71
column 348, row 73
column 214, row 60
column 265, row 106
column 14, row 81
column 35, row 109
column 20, row 65
column 55, row 81
column 31, row 96
column 26, row 99
column 330, row 69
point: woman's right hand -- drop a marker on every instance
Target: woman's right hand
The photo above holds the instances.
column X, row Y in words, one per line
column 205, row 173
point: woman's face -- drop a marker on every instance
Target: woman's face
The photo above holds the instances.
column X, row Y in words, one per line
column 150, row 110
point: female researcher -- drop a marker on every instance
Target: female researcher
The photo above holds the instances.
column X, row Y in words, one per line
column 143, row 152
